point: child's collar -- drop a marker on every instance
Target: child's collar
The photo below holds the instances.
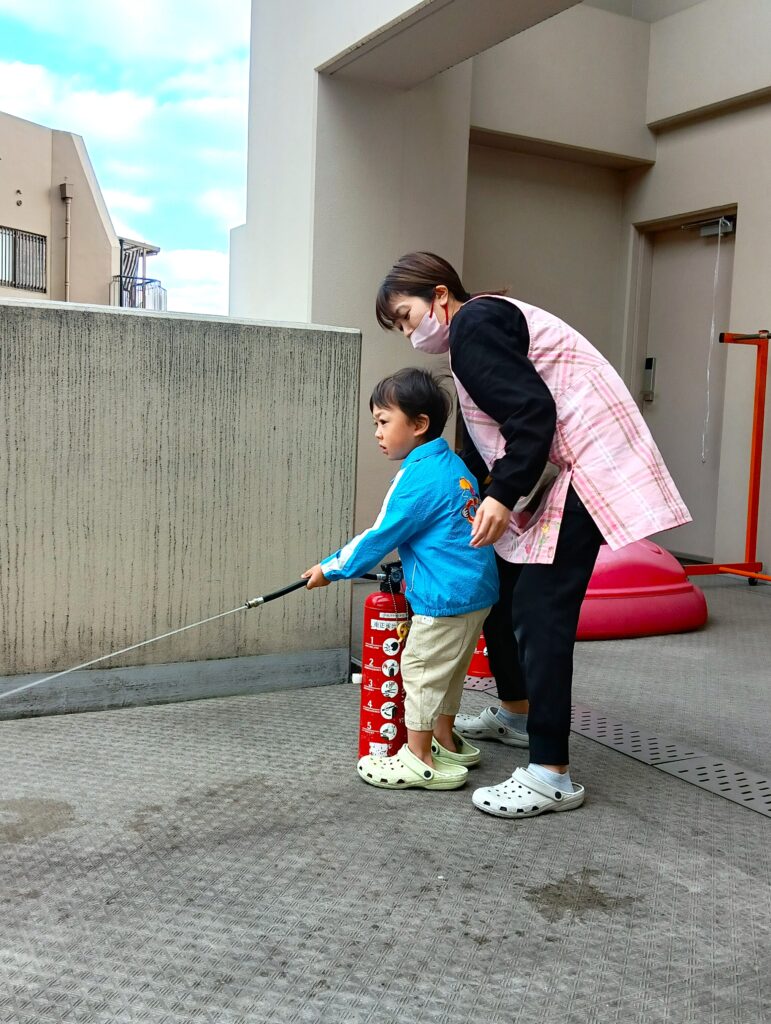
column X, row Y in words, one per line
column 425, row 451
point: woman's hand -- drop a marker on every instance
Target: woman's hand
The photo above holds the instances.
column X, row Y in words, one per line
column 490, row 523
column 315, row 578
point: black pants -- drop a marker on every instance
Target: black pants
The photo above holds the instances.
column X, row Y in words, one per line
column 531, row 631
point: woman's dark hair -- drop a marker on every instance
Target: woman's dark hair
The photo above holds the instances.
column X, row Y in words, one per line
column 417, row 273
column 417, row 393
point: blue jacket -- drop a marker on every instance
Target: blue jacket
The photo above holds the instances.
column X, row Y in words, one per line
column 427, row 515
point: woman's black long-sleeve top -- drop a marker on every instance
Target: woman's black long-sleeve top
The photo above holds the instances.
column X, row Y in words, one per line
column 489, row 344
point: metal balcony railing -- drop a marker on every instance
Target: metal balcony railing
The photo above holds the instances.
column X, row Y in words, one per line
column 22, row 260
column 138, row 293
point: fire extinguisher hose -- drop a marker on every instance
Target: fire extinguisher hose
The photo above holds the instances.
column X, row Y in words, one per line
column 253, row 602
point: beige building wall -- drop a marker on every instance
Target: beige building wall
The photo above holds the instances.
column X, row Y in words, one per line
column 549, row 231
column 708, row 57
column 271, row 253
column 578, row 80
column 34, row 161
column 365, row 219
column 710, row 165
column 652, row 120
column 371, row 164
column 156, row 469
column 713, row 121
column 95, row 251
column 25, row 184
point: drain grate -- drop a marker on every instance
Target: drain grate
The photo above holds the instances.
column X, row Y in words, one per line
column 726, row 779
column 628, row 739
column 678, row 759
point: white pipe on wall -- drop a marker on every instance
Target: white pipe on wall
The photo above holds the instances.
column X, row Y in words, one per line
column 66, row 193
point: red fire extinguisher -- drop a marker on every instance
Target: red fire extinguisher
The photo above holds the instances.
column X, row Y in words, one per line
column 386, row 624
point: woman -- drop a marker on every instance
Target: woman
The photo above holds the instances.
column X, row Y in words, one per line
column 565, row 462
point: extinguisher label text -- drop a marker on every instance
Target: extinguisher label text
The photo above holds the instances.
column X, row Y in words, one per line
column 382, row 627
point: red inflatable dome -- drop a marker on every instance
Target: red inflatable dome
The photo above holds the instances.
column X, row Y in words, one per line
column 639, row 590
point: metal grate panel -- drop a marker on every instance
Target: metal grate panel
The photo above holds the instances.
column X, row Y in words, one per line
column 723, row 778
column 628, row 739
column 726, row 779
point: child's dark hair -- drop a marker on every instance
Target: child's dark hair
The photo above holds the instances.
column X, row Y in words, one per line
column 416, row 392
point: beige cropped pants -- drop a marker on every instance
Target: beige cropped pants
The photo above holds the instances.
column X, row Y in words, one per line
column 434, row 665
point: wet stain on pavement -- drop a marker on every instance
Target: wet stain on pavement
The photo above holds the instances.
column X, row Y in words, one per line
column 28, row 819
column 577, row 895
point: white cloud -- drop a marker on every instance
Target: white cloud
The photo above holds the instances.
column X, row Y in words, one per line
column 228, row 77
column 123, row 169
column 228, row 157
column 196, row 279
column 227, row 206
column 177, row 30
column 216, row 108
column 117, row 115
column 123, row 229
column 37, row 94
column 168, row 137
column 126, row 201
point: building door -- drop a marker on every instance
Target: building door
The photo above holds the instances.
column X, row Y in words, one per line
column 685, row 415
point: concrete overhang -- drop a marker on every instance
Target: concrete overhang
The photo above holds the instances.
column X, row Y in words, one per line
column 436, row 35
column 555, row 150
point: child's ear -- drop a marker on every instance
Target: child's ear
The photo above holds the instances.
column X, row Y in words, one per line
column 422, row 423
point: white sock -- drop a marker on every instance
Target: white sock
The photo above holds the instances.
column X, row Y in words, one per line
column 511, row 719
column 561, row 782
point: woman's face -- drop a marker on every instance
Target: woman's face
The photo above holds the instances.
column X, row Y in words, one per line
column 408, row 311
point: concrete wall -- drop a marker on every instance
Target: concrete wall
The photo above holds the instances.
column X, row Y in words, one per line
column 578, row 79
column 289, row 40
column 36, row 160
column 707, row 57
column 320, row 236
column 95, row 252
column 366, row 218
column 578, row 85
column 25, row 168
column 551, row 232
column 157, row 469
column 363, row 170
column 710, row 165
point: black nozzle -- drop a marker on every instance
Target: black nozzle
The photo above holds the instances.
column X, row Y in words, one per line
column 394, row 574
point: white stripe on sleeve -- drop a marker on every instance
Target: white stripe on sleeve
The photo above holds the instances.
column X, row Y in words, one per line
column 345, row 554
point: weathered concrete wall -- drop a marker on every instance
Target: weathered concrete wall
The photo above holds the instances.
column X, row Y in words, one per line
column 156, row 469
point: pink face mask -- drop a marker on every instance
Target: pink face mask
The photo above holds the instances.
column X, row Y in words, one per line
column 430, row 335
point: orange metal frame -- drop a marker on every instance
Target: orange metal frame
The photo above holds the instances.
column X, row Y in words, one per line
column 750, row 567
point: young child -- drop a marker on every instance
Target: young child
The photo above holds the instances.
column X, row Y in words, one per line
column 427, row 515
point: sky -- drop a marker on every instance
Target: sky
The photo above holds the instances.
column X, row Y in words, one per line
column 159, row 92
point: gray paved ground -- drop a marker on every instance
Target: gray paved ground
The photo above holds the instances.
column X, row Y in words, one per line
column 221, row 862
column 711, row 688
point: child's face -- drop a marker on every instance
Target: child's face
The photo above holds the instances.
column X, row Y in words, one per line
column 396, row 434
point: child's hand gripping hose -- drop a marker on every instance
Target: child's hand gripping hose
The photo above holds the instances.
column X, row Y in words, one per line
column 252, row 603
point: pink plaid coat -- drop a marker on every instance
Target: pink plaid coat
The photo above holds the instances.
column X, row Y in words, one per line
column 601, row 446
